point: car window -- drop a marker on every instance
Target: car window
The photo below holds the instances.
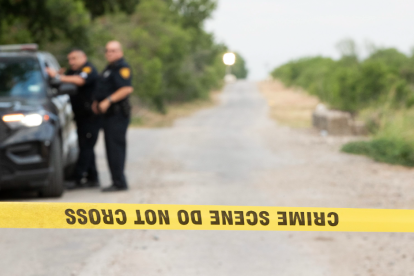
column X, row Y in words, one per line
column 21, row 77
column 50, row 61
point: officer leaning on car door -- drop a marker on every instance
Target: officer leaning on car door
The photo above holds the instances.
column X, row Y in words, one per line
column 112, row 100
column 83, row 74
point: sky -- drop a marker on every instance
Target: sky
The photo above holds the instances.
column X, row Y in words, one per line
column 268, row 33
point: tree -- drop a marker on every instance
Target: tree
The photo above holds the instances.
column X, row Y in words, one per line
column 170, row 63
column 43, row 21
column 193, row 12
column 173, row 58
column 239, row 68
column 393, row 58
column 98, row 8
column 348, row 48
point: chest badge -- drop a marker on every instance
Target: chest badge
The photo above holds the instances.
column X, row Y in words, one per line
column 106, row 73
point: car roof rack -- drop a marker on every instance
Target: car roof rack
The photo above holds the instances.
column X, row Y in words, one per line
column 19, row 47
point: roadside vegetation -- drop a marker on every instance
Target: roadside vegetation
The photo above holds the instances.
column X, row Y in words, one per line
column 288, row 106
column 174, row 60
column 378, row 90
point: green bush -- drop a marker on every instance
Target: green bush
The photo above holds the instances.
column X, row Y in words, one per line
column 352, row 85
column 341, row 88
column 384, row 150
column 393, row 140
column 391, row 57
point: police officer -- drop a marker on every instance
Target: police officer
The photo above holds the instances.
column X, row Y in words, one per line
column 83, row 74
column 111, row 100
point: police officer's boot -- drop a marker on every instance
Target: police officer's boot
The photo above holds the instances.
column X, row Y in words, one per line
column 114, row 188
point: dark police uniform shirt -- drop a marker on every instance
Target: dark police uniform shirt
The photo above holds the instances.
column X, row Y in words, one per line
column 113, row 77
column 82, row 101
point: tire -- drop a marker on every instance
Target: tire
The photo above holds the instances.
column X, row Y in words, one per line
column 55, row 184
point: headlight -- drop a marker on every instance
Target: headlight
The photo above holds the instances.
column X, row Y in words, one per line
column 27, row 120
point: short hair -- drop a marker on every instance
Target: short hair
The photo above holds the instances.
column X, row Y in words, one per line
column 76, row 50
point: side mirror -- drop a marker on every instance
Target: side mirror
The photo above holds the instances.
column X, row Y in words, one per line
column 67, row 89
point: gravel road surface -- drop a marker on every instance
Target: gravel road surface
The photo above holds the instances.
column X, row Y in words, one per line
column 231, row 154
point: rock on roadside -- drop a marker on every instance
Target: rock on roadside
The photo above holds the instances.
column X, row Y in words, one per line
column 336, row 122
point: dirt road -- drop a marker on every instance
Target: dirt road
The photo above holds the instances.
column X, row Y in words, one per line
column 232, row 154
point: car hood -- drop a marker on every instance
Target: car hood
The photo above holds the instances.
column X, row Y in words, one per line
column 13, row 105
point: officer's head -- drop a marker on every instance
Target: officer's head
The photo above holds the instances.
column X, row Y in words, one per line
column 113, row 51
column 76, row 58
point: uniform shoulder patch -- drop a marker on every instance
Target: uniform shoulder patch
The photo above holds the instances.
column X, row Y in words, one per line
column 125, row 72
column 87, row 69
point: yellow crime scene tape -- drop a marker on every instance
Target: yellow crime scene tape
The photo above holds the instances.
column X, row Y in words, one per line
column 201, row 217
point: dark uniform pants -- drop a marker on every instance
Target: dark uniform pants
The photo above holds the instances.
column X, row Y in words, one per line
column 88, row 130
column 115, row 128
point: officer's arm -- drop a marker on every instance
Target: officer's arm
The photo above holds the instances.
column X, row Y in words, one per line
column 121, row 93
column 118, row 95
column 77, row 80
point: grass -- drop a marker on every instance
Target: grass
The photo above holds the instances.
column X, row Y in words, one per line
column 146, row 118
column 393, row 139
column 288, row 106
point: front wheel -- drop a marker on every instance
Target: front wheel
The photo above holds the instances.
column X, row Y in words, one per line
column 55, row 187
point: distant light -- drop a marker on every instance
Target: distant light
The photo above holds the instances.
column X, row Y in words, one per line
column 229, row 58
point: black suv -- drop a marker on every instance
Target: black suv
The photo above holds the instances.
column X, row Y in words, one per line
column 38, row 140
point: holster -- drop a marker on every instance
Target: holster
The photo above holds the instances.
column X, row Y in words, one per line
column 122, row 107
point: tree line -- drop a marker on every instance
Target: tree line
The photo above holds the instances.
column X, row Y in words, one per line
column 351, row 83
column 172, row 57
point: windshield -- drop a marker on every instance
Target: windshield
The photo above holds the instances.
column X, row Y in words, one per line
column 21, row 77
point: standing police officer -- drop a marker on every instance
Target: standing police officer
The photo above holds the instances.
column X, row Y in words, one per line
column 111, row 100
column 83, row 74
